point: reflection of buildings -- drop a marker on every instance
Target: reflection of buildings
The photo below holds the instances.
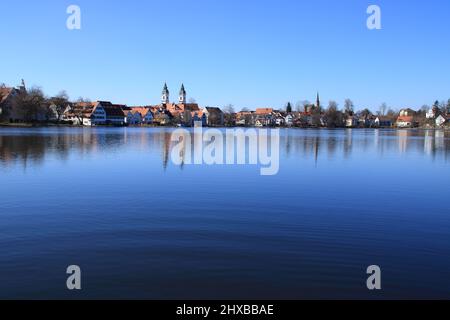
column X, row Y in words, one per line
column 402, row 136
column 307, row 145
column 428, row 142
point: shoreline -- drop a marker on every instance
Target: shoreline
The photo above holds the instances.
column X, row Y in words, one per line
column 31, row 125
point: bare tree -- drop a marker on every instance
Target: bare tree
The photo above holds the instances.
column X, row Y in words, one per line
column 333, row 116
column 366, row 113
column 60, row 101
column 348, row 107
column 383, row 109
column 229, row 115
column 30, row 105
column 83, row 100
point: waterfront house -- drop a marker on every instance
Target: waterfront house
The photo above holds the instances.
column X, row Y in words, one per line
column 7, row 110
column 351, row 121
column 6, row 97
column 278, row 118
column 198, row 117
column 405, row 122
column 289, row 119
column 406, row 119
column 383, row 122
column 145, row 114
column 264, row 111
column 441, row 120
column 433, row 113
column 95, row 113
column 82, row 114
column 132, row 117
column 214, row 116
column 114, row 112
column 245, row 118
column 161, row 116
column 53, row 114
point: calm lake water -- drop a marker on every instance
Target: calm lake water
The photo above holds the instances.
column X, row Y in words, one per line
column 111, row 201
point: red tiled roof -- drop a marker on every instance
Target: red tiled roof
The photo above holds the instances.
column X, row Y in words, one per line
column 264, row 110
column 405, row 119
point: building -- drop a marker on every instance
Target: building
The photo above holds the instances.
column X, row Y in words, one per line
column 383, row 122
column 245, row 118
column 406, row 119
column 96, row 113
column 289, row 120
column 177, row 109
column 7, row 95
column 441, row 120
column 145, row 114
column 214, row 116
column 82, row 114
column 405, row 122
column 264, row 111
column 112, row 113
column 351, row 121
column 433, row 113
column 132, row 117
column 53, row 113
column 198, row 117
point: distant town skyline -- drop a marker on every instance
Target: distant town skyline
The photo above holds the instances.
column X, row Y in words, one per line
column 252, row 54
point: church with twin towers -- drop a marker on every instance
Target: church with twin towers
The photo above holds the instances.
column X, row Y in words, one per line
column 165, row 98
column 191, row 110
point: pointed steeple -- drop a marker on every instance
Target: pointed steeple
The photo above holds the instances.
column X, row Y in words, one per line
column 165, row 94
column 318, row 101
column 22, row 86
column 182, row 95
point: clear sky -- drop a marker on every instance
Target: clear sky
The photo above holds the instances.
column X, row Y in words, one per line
column 251, row 53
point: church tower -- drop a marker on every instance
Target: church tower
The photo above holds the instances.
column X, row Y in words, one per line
column 318, row 101
column 182, row 95
column 165, row 94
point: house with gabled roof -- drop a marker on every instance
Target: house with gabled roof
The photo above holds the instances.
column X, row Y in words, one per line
column 7, row 94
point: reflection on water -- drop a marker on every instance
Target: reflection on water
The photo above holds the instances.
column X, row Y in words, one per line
column 111, row 201
column 32, row 146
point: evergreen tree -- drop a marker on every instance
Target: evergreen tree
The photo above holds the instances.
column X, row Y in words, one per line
column 289, row 107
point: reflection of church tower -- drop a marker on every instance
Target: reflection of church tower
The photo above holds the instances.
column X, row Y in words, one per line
column 166, row 148
column 318, row 101
column 182, row 95
column 165, row 95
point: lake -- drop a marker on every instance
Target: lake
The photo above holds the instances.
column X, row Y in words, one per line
column 111, row 201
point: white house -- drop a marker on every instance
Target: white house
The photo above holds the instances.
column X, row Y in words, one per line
column 382, row 121
column 430, row 114
column 259, row 123
column 144, row 113
column 279, row 120
column 132, row 117
column 440, row 120
column 289, row 120
column 53, row 114
column 351, row 122
column 98, row 115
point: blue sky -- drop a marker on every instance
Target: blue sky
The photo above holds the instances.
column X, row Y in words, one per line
column 251, row 53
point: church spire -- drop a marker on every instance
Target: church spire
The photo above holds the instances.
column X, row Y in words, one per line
column 165, row 94
column 318, row 100
column 182, row 95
